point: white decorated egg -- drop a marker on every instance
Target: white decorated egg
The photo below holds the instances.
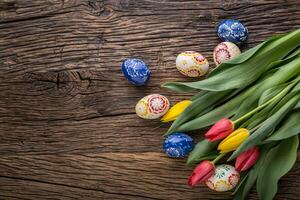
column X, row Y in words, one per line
column 225, row 51
column 192, row 64
column 224, row 179
column 152, row 106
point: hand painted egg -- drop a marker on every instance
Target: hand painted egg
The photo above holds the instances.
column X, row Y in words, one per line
column 136, row 71
column 152, row 106
column 224, row 179
column 192, row 64
column 232, row 31
column 178, row 145
column 225, row 51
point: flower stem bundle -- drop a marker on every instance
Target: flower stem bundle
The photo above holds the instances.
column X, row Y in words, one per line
column 253, row 103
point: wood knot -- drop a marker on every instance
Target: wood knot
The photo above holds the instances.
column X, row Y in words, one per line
column 98, row 8
column 57, row 81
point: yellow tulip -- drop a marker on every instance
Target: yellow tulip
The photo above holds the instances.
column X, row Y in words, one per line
column 175, row 111
column 233, row 141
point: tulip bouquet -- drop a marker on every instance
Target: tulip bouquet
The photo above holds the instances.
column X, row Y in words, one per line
column 252, row 104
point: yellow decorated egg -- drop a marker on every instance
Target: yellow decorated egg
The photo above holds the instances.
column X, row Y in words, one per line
column 152, row 106
column 224, row 179
column 225, row 51
column 192, row 64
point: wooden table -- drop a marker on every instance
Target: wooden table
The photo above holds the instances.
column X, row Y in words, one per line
column 68, row 129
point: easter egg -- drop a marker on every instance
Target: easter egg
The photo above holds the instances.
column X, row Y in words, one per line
column 152, row 106
column 178, row 145
column 192, row 64
column 225, row 51
column 136, row 71
column 231, row 30
column 224, row 179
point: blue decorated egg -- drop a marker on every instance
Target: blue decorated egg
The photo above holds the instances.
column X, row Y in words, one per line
column 178, row 145
column 231, row 30
column 136, row 71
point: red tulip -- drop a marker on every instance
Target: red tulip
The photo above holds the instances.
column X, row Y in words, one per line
column 220, row 130
column 247, row 159
column 201, row 173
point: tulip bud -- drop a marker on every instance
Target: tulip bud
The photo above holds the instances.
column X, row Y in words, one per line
column 220, row 130
column 247, row 159
column 233, row 141
column 201, row 173
column 175, row 111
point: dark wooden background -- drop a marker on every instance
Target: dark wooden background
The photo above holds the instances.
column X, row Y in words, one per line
column 68, row 129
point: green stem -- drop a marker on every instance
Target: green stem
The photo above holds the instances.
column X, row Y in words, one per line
column 263, row 105
column 218, row 158
column 256, row 127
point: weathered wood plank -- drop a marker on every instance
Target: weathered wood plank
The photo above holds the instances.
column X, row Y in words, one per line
column 155, row 31
column 67, row 123
column 135, row 175
column 72, row 95
column 25, row 189
column 67, row 109
column 102, row 134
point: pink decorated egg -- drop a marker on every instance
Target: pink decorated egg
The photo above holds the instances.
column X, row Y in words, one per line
column 225, row 51
column 192, row 64
column 224, row 179
column 152, row 106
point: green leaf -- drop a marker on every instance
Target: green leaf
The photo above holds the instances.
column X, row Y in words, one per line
column 278, row 162
column 271, row 92
column 285, row 72
column 295, row 91
column 297, row 106
column 261, row 116
column 199, row 95
column 202, row 151
column 272, row 107
column 278, row 93
column 242, row 57
column 178, row 87
column 225, row 110
column 289, row 128
column 294, row 52
column 197, row 106
column 243, row 74
column 264, row 130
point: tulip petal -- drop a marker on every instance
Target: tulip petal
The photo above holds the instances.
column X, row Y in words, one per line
column 175, row 111
column 220, row 130
column 201, row 173
column 232, row 141
column 247, row 159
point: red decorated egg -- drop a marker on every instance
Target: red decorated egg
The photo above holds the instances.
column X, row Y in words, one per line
column 224, row 179
column 192, row 64
column 152, row 106
column 225, row 51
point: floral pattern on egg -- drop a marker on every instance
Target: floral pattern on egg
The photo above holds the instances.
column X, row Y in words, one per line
column 224, row 179
column 136, row 71
column 178, row 145
column 225, row 51
column 232, row 31
column 152, row 106
column 192, row 64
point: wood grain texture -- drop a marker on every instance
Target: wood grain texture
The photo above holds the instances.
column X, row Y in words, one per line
column 67, row 124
